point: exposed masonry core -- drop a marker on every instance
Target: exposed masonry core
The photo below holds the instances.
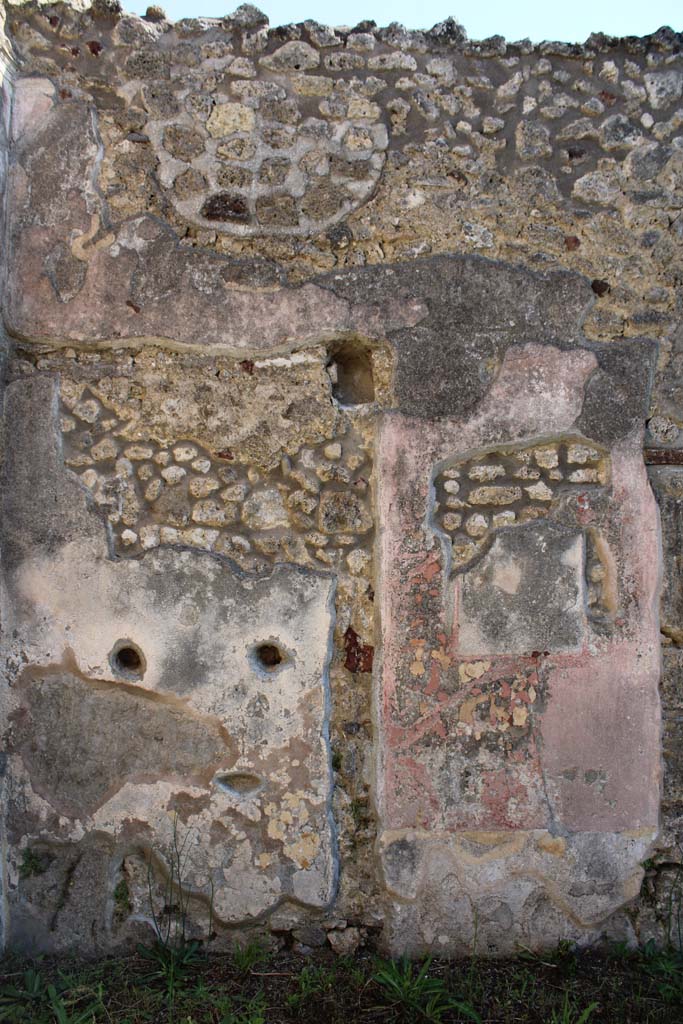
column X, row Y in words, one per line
column 506, row 487
column 342, row 379
column 299, row 510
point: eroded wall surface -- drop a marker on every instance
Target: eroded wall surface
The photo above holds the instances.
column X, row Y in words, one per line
column 336, row 360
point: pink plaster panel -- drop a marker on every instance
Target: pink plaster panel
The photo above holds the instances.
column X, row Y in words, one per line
column 601, row 729
column 587, row 757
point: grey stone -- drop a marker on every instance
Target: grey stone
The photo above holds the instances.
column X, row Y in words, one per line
column 248, row 16
column 310, row 935
column 322, row 35
column 598, row 187
column 618, row 132
column 264, row 510
column 533, row 140
column 295, row 55
column 344, row 942
column 450, row 31
column 663, row 87
column 647, row 160
column 618, row 392
column 182, row 142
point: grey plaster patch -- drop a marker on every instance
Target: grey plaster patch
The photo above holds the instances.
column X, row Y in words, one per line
column 81, row 740
column 526, row 594
column 474, row 310
column 42, row 506
column 618, row 393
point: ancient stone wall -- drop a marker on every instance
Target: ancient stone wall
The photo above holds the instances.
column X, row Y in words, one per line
column 343, row 371
column 6, row 75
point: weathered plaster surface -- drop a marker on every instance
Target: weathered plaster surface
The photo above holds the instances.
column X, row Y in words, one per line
column 342, row 346
column 95, row 745
column 502, row 706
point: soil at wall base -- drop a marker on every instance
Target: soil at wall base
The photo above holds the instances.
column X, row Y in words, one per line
column 563, row 987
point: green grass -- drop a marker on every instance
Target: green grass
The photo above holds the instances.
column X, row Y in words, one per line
column 253, row 986
column 413, row 994
column 248, row 956
column 33, row 864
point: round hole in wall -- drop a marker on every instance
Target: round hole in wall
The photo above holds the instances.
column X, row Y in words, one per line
column 127, row 659
column 268, row 656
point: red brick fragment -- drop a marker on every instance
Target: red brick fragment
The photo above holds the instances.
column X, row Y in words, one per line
column 359, row 656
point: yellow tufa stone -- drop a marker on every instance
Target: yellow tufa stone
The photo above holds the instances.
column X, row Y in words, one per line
column 228, row 118
column 470, row 670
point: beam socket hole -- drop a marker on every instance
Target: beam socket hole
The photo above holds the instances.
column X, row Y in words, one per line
column 268, row 657
column 350, row 370
column 127, row 659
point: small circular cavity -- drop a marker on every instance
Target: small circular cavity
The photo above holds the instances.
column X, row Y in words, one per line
column 127, row 659
column 268, row 656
